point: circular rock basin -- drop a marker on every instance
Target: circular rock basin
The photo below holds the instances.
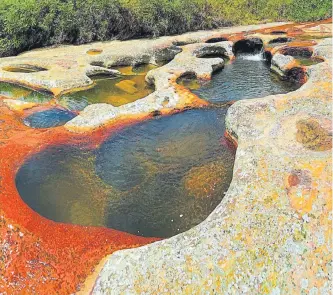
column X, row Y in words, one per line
column 48, row 118
column 248, row 76
column 94, row 51
column 157, row 178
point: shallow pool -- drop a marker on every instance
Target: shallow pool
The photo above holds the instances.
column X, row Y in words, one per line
column 15, row 91
column 113, row 90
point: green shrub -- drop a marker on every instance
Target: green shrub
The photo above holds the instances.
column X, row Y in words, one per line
column 27, row 24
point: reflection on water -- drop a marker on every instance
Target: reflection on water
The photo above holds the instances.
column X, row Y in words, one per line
column 245, row 77
column 157, row 178
column 113, row 90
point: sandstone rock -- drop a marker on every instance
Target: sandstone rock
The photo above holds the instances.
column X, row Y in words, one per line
column 282, row 63
column 272, row 226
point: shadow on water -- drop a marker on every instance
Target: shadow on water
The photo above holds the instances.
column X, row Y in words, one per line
column 48, row 118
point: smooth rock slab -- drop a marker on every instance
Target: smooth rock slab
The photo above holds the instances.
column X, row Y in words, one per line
column 271, row 234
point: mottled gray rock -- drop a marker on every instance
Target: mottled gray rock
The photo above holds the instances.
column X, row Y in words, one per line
column 271, row 234
column 282, row 63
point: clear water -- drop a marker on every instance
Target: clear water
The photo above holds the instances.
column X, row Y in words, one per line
column 113, row 90
column 248, row 76
column 15, row 91
column 157, row 178
column 48, row 118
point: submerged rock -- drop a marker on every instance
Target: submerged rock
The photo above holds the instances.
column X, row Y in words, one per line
column 128, row 86
column 204, row 181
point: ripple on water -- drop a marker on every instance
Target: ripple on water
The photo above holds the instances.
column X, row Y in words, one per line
column 143, row 180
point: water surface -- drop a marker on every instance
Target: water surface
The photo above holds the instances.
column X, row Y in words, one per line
column 15, row 91
column 117, row 91
column 48, row 118
column 157, row 178
column 246, row 77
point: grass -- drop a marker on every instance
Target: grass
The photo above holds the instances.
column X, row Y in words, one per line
column 27, row 24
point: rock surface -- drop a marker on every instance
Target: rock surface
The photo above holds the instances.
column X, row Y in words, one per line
column 271, row 234
column 282, row 63
column 168, row 96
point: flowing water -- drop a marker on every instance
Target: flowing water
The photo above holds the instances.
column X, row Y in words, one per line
column 248, row 76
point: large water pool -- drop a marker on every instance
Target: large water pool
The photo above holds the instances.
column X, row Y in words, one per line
column 157, row 178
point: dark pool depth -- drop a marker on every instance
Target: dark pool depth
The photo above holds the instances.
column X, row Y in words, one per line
column 248, row 76
column 157, row 178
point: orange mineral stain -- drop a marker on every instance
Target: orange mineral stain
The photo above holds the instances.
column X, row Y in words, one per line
column 40, row 256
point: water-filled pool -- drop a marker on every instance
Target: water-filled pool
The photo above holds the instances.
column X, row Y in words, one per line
column 157, row 178
column 248, row 76
column 15, row 91
column 113, row 90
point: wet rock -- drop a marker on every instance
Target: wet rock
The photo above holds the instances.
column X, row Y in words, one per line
column 282, row 63
column 280, row 40
column 296, row 51
column 250, row 45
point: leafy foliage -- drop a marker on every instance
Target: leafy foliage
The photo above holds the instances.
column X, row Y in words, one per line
column 26, row 24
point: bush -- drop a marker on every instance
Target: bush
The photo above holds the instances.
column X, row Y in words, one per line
column 27, row 24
